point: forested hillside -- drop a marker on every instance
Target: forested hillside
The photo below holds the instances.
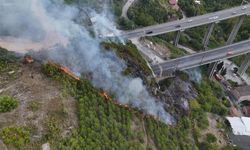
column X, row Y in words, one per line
column 148, row 12
column 103, row 124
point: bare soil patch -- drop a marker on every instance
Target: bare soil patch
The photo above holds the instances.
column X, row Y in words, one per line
column 39, row 98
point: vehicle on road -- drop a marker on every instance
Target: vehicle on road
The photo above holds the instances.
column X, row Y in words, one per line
column 218, row 77
column 235, row 70
column 214, row 17
column 178, row 26
column 234, row 13
column 100, row 36
column 230, row 53
column 110, row 35
column 149, row 32
column 244, row 7
column 190, row 20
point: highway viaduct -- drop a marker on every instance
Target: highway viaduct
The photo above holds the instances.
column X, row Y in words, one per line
column 212, row 56
column 206, row 57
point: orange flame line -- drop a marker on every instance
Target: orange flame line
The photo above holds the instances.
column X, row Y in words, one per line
column 65, row 70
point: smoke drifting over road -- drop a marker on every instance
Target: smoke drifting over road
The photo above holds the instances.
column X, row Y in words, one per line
column 49, row 27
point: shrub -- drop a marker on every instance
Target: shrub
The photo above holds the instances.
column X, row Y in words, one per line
column 125, row 24
column 194, row 105
column 5, row 58
column 166, row 82
column 197, row 133
column 52, row 127
column 7, row 103
column 226, row 102
column 16, row 136
column 33, row 106
column 217, row 89
column 207, row 146
column 231, row 147
column 211, row 138
column 184, row 76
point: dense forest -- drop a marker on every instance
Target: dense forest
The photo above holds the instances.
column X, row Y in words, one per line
column 148, row 12
column 107, row 125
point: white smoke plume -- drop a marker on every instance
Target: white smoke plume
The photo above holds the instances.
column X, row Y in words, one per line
column 195, row 74
column 49, row 27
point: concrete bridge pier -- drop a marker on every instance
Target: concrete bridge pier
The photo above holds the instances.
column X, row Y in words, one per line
column 230, row 40
column 208, row 35
column 244, row 66
column 159, row 79
column 177, row 38
column 235, row 30
column 211, row 69
column 164, row 74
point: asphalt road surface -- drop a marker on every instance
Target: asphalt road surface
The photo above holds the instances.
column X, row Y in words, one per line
column 188, row 23
column 126, row 7
column 198, row 59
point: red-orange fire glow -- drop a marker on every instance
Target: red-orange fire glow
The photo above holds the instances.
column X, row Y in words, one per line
column 28, row 59
column 105, row 95
column 68, row 72
column 65, row 70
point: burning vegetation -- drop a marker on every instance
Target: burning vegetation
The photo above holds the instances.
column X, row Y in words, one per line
column 65, row 70
column 102, row 93
column 103, row 119
column 82, row 52
column 28, row 59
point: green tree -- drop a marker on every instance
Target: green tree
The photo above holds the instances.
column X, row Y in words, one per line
column 7, row 103
column 211, row 138
column 16, row 136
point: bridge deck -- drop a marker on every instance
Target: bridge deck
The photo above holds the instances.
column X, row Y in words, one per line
column 202, row 58
column 189, row 22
